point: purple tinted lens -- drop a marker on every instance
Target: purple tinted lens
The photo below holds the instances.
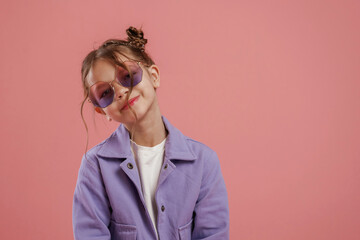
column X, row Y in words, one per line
column 101, row 94
column 124, row 78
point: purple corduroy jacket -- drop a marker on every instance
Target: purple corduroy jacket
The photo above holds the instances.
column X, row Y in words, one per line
column 191, row 196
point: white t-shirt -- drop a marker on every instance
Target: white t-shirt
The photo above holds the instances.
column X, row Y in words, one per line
column 149, row 161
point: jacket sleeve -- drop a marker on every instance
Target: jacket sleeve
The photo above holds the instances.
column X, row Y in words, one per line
column 211, row 221
column 91, row 208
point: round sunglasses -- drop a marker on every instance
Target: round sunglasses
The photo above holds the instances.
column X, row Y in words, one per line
column 102, row 94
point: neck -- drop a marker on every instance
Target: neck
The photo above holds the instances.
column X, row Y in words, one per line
column 148, row 132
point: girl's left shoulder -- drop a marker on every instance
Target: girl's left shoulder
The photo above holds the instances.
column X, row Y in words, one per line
column 196, row 145
column 201, row 150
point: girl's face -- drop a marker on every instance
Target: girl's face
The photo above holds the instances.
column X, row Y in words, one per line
column 143, row 98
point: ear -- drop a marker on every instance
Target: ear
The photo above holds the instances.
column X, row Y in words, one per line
column 155, row 75
column 99, row 110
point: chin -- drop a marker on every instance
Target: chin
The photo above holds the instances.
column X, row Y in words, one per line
column 141, row 111
column 130, row 117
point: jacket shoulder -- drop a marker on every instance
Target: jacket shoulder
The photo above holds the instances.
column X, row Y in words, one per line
column 201, row 150
column 90, row 158
column 198, row 145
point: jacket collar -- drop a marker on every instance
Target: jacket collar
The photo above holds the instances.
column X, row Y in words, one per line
column 118, row 144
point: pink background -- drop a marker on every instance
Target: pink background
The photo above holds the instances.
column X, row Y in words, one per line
column 272, row 86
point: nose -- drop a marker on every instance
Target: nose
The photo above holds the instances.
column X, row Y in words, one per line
column 120, row 91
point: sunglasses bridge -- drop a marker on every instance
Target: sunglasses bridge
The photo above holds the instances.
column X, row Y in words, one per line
column 119, row 82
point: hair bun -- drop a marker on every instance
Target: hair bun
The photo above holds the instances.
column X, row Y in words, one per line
column 136, row 38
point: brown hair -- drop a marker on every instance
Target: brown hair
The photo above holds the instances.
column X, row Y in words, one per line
column 133, row 48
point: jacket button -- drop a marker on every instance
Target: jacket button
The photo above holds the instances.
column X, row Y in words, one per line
column 162, row 208
column 165, row 166
column 130, row 166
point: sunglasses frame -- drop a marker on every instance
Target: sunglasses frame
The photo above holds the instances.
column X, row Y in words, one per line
column 111, row 83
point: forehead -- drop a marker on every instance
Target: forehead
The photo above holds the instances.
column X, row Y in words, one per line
column 101, row 70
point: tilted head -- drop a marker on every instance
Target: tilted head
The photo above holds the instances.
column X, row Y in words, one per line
column 132, row 48
column 111, row 72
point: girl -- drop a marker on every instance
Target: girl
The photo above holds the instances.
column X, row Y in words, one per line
column 147, row 180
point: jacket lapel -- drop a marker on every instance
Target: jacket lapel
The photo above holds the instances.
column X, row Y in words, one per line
column 118, row 146
column 176, row 146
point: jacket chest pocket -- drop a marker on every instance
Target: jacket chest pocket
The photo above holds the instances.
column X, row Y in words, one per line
column 122, row 231
column 185, row 231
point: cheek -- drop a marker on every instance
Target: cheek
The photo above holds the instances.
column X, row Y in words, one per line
column 110, row 109
column 149, row 94
column 147, row 81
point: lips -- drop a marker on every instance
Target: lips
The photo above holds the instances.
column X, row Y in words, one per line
column 131, row 102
